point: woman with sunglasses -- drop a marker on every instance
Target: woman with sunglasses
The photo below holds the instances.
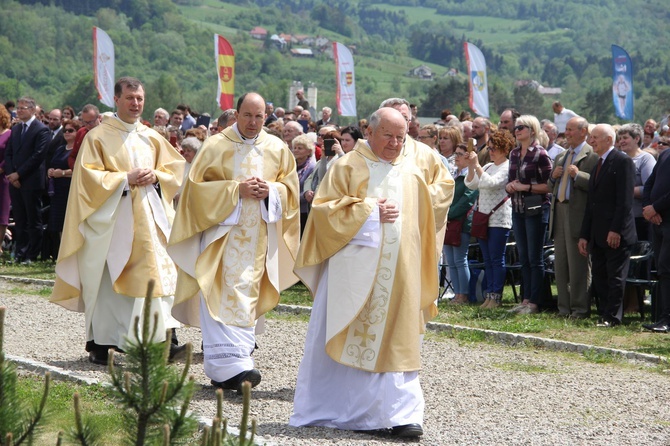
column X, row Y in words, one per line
column 448, row 139
column 490, row 180
column 456, row 257
column 529, row 166
column 60, row 175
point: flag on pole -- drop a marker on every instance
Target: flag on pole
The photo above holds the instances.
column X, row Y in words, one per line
column 479, row 89
column 225, row 67
column 346, row 83
column 103, row 66
column 622, row 83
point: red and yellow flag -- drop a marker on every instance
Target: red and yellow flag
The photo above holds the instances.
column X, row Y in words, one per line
column 225, row 67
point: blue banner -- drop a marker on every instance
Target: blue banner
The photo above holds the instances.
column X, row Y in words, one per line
column 622, row 83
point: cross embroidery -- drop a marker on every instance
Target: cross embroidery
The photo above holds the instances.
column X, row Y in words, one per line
column 365, row 336
column 247, row 166
column 232, row 300
column 243, row 238
column 167, row 265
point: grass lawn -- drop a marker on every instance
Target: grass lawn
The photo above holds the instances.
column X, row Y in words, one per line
column 95, row 404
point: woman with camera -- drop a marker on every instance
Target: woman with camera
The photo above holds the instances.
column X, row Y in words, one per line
column 490, row 180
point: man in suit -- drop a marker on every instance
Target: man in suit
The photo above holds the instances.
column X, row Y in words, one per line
column 25, row 170
column 656, row 202
column 569, row 185
column 608, row 228
column 56, row 133
column 270, row 113
column 50, row 240
column 326, row 118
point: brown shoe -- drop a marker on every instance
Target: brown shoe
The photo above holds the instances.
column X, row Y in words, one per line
column 493, row 304
column 486, row 303
column 460, row 299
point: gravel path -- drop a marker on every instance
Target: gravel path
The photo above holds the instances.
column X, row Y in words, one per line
column 475, row 394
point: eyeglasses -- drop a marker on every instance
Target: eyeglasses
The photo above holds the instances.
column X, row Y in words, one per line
column 459, row 154
column 491, row 148
column 69, row 131
column 91, row 122
column 425, row 137
column 24, row 108
column 520, row 127
column 663, row 144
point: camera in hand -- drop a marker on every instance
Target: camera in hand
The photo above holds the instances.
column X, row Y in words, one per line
column 328, row 147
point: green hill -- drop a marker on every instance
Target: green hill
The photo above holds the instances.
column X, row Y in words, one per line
column 46, row 50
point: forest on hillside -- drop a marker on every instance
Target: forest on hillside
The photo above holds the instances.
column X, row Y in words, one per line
column 46, row 49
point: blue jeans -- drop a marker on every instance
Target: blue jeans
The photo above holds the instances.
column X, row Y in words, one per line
column 493, row 252
column 529, row 234
column 457, row 259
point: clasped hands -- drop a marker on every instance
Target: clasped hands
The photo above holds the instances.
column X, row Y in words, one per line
column 13, row 179
column 254, row 188
column 517, row 186
column 141, row 176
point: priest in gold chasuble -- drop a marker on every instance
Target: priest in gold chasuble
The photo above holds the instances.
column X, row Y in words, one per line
column 235, row 239
column 368, row 257
column 117, row 225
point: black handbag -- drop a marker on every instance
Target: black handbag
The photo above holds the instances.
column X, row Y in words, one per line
column 532, row 204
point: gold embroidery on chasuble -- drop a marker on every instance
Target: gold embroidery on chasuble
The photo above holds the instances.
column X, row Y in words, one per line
column 365, row 334
column 244, row 257
column 142, row 155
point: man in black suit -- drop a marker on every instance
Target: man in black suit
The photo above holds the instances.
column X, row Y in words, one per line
column 25, row 170
column 656, row 202
column 326, row 118
column 608, row 228
column 56, row 138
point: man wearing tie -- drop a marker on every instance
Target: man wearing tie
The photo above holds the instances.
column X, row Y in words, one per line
column 569, row 185
column 608, row 228
column 25, row 170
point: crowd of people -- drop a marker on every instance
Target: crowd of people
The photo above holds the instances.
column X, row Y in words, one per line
column 224, row 215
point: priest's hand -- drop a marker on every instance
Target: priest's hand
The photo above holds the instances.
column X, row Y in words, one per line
column 141, row 176
column 388, row 211
column 254, row 188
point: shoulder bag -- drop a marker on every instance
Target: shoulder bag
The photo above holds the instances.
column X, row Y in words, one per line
column 480, row 221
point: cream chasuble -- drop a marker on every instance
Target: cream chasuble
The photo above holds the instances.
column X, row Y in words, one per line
column 222, row 245
column 378, row 297
column 118, row 235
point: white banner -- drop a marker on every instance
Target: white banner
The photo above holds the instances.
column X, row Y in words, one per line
column 346, row 83
column 479, row 88
column 103, row 66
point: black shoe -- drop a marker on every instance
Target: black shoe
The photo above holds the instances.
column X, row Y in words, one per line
column 253, row 376
column 661, row 326
column 407, row 431
column 177, row 353
column 607, row 323
column 98, row 357
column 579, row 316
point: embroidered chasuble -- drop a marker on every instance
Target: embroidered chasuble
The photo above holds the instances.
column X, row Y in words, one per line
column 223, row 246
column 111, row 226
column 379, row 296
